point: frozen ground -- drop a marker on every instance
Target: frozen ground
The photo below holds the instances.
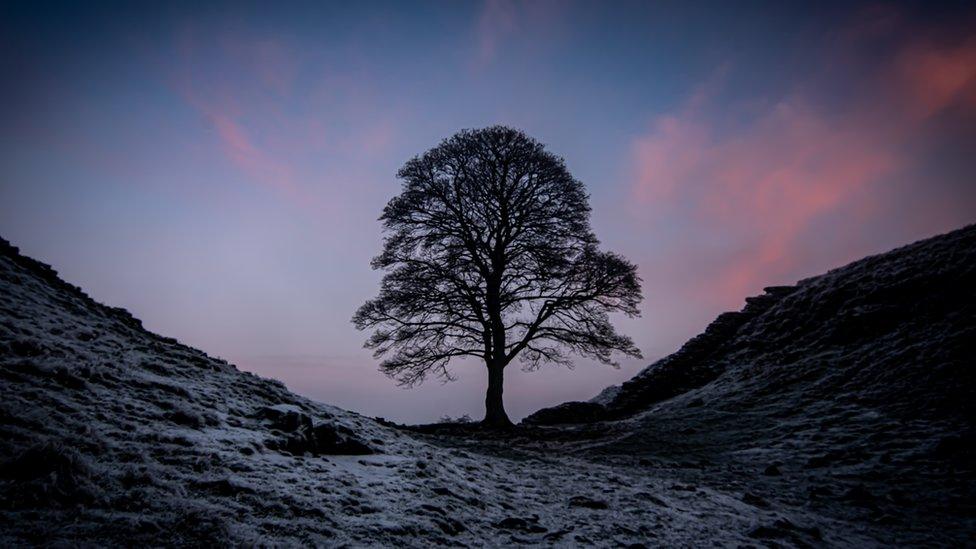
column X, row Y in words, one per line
column 851, row 395
column 114, row 435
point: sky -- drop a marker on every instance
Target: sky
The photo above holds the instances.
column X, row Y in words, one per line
column 218, row 170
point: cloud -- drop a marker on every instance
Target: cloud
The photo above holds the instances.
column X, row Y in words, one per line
column 256, row 162
column 506, row 26
column 230, row 78
column 934, row 78
column 754, row 188
column 273, row 129
column 766, row 182
column 250, row 159
column 496, row 22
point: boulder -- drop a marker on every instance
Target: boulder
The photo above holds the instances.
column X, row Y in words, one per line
column 303, row 436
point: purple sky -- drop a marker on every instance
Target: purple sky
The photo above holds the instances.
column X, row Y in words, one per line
column 219, row 171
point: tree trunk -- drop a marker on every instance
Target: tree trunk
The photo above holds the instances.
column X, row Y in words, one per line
column 495, row 415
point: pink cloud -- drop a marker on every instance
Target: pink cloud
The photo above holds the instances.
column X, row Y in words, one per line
column 245, row 155
column 242, row 83
column 765, row 186
column 315, row 146
column 496, row 22
column 220, row 111
column 227, row 107
column 764, row 183
column 934, row 78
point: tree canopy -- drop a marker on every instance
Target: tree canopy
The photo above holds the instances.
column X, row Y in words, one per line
column 489, row 253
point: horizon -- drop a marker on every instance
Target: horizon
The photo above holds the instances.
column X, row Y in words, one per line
column 219, row 172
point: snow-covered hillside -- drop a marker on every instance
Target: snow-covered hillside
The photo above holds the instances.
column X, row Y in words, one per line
column 853, row 390
column 896, row 329
column 114, row 435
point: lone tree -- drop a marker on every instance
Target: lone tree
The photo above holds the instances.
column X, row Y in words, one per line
column 489, row 254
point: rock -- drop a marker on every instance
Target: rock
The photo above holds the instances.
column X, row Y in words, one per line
column 295, row 445
column 860, row 495
column 286, row 417
column 652, row 498
column 956, row 448
column 557, row 535
column 26, row 348
column 442, row 491
column 48, row 474
column 68, row 379
column 350, row 447
column 755, row 501
column 185, row 417
column 818, row 492
column 224, row 486
column 528, row 525
column 326, row 438
column 304, row 436
column 817, row 462
column 449, row 526
column 588, row 503
column 772, row 471
column 433, row 509
column 767, row 532
column 785, row 529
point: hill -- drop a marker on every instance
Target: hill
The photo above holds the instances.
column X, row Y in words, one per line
column 897, row 329
column 853, row 388
column 113, row 435
column 837, row 415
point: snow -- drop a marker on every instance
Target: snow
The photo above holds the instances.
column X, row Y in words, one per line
column 113, row 435
column 854, row 388
column 607, row 395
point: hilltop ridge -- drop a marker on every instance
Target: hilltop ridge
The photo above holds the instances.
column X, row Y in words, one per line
column 921, row 293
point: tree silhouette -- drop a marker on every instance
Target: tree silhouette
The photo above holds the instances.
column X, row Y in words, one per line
column 489, row 254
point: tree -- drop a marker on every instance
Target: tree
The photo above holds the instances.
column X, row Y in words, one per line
column 489, row 254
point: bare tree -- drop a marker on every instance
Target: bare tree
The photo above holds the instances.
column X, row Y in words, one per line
column 489, row 254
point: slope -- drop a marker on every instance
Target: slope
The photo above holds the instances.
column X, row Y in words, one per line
column 851, row 392
column 112, row 435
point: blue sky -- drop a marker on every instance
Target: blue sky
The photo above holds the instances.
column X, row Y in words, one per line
column 219, row 170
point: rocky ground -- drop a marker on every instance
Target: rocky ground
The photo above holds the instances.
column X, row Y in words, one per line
column 114, row 435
